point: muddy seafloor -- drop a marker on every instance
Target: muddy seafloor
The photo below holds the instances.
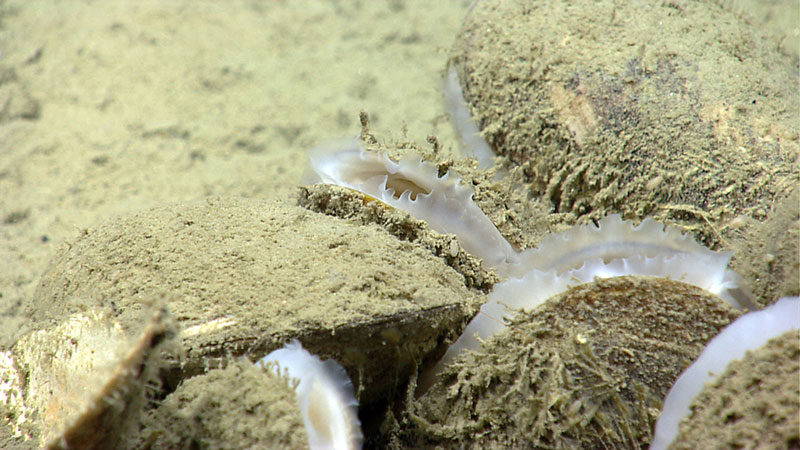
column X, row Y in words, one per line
column 116, row 107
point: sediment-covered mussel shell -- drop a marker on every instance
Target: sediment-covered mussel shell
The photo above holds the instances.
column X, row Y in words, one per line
column 588, row 368
column 242, row 405
column 605, row 119
column 743, row 390
column 248, row 275
column 613, row 248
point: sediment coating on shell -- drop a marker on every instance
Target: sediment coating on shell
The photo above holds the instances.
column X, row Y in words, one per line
column 349, row 204
column 233, row 263
column 605, row 119
column 240, row 406
column 583, row 253
column 413, row 185
column 587, row 369
column 766, row 252
column 749, row 332
column 755, row 403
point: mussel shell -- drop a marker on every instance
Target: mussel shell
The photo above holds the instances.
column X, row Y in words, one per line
column 587, row 369
column 240, row 406
column 605, row 119
column 755, row 403
column 247, row 275
column 86, row 382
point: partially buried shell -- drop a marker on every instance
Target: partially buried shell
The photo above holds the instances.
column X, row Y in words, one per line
column 754, row 404
column 240, row 406
column 415, row 186
column 614, row 247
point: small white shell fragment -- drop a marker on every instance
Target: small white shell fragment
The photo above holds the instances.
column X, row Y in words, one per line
column 325, row 396
column 414, row 186
column 453, row 249
column 749, row 332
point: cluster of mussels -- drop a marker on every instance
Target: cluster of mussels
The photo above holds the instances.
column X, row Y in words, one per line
column 622, row 308
column 637, row 315
column 588, row 340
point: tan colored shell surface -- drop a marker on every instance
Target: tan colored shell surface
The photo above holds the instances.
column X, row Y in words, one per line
column 240, row 406
column 247, row 275
column 587, row 369
column 754, row 403
column 684, row 111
